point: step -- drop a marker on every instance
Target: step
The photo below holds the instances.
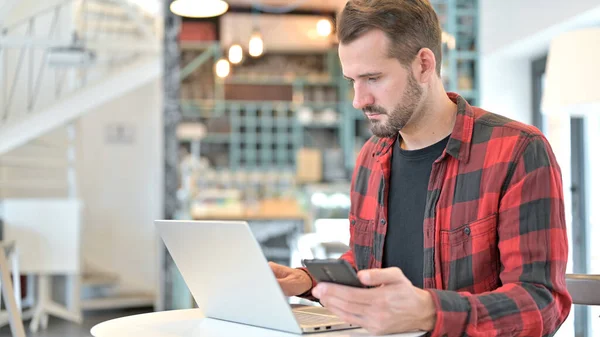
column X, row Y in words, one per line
column 99, row 280
column 31, row 184
column 114, row 8
column 33, row 193
column 14, row 160
column 121, row 301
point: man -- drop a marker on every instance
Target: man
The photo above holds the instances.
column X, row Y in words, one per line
column 457, row 214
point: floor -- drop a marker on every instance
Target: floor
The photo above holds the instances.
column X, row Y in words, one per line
column 60, row 328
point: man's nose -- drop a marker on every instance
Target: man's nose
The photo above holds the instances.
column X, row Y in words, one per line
column 361, row 99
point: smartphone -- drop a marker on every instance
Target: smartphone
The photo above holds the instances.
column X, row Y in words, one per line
column 333, row 270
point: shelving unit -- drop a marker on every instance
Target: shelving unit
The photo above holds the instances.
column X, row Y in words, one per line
column 262, row 132
column 267, row 133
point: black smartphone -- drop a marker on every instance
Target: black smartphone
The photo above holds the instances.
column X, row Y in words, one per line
column 333, row 270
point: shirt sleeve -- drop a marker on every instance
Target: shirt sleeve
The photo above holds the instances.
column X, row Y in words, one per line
column 532, row 242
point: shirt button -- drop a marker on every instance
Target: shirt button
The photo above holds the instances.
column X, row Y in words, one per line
column 353, row 222
column 382, row 221
column 467, row 231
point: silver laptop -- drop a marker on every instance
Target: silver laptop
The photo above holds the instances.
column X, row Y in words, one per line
column 230, row 279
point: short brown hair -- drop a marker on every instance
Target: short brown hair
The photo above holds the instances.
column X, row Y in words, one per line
column 409, row 24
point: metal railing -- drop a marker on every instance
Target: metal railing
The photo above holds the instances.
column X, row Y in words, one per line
column 30, row 86
column 103, row 35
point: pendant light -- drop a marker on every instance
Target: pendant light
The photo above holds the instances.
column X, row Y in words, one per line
column 324, row 27
column 199, row 8
column 256, row 45
column 236, row 53
column 222, row 68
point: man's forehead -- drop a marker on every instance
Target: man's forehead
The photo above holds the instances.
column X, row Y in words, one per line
column 366, row 62
column 367, row 47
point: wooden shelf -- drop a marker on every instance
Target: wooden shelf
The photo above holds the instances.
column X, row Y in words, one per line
column 278, row 80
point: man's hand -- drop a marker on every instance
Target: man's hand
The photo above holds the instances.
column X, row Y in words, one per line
column 394, row 306
column 292, row 281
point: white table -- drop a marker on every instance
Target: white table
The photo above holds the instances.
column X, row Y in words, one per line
column 190, row 322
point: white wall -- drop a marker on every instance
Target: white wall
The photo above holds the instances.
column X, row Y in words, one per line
column 513, row 33
column 505, row 23
column 506, row 87
column 122, row 186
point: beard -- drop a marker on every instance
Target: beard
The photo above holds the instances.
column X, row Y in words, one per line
column 402, row 113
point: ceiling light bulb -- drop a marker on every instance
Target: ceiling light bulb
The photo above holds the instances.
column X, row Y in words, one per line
column 324, row 27
column 222, row 68
column 236, row 54
column 256, row 45
column 449, row 40
column 199, row 8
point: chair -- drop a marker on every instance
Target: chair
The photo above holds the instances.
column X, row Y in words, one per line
column 11, row 296
column 584, row 288
column 330, row 240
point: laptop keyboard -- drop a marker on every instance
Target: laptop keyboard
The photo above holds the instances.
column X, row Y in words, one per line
column 313, row 318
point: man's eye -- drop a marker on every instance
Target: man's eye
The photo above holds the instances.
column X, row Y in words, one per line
column 373, row 79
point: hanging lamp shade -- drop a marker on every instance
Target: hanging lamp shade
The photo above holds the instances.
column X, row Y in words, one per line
column 572, row 73
column 256, row 46
column 199, row 8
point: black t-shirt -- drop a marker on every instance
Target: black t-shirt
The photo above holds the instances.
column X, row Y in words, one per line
column 407, row 195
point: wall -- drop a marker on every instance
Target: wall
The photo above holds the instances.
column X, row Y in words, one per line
column 505, row 23
column 121, row 184
column 506, row 87
column 513, row 33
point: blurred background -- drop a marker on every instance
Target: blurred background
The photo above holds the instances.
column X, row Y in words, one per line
column 114, row 113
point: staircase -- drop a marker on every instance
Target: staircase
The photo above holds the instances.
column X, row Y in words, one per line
column 41, row 94
column 41, row 102
column 100, row 291
column 37, row 169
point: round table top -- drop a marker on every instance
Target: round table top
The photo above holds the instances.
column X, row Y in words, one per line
column 191, row 322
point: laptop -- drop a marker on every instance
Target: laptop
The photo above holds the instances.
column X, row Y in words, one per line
column 230, row 279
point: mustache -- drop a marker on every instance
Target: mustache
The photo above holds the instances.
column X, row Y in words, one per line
column 373, row 109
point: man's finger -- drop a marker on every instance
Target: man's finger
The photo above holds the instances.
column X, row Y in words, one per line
column 376, row 277
column 346, row 293
column 277, row 270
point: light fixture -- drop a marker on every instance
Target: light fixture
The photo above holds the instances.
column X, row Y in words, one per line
column 572, row 73
column 70, row 56
column 236, row 53
column 449, row 40
column 324, row 27
column 256, row 45
column 191, row 131
column 222, row 68
column 199, row 8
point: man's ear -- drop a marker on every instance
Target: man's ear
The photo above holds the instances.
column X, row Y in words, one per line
column 424, row 65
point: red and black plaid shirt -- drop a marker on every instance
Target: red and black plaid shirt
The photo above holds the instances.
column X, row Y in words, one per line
column 495, row 240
